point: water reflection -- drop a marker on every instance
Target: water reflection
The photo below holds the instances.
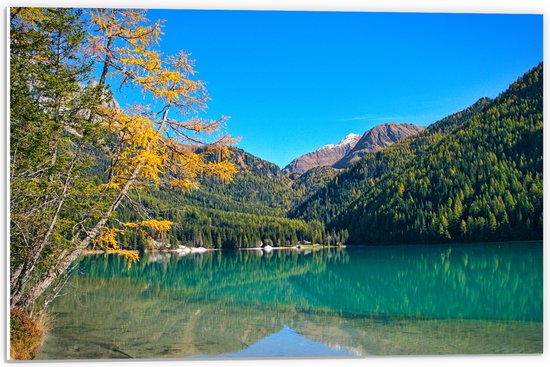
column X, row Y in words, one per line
column 287, row 342
column 381, row 300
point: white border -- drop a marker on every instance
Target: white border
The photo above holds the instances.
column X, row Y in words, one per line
column 437, row 6
column 4, row 154
column 431, row 6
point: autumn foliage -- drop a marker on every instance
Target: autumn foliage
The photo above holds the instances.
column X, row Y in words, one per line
column 150, row 149
column 69, row 110
column 26, row 334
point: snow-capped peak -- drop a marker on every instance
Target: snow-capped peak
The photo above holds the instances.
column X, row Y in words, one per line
column 350, row 139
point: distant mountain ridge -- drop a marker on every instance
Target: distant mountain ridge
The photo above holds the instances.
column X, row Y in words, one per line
column 352, row 147
column 327, row 155
column 379, row 137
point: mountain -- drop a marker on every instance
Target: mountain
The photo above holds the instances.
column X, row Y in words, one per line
column 345, row 188
column 322, row 157
column 352, row 148
column 379, row 137
column 473, row 176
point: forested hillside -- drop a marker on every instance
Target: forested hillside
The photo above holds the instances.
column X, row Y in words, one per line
column 246, row 212
column 346, row 187
column 476, row 181
column 473, row 176
column 258, row 187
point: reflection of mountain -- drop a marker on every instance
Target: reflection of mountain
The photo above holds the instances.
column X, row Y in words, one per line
column 288, row 343
column 368, row 301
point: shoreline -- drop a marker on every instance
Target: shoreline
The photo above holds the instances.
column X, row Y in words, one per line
column 199, row 250
column 100, row 252
column 295, row 248
column 416, row 244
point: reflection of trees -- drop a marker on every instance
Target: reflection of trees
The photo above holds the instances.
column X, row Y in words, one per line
column 472, row 282
column 168, row 306
column 243, row 275
column 466, row 281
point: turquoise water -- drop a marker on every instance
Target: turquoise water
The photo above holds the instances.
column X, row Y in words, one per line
column 349, row 302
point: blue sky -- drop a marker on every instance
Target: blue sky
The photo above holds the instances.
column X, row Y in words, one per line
column 294, row 81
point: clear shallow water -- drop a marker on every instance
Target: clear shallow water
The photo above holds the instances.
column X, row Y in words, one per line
column 353, row 302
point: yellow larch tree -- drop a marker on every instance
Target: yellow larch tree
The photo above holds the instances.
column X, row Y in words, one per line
column 146, row 149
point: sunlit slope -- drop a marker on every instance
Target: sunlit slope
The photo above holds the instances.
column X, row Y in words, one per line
column 476, row 176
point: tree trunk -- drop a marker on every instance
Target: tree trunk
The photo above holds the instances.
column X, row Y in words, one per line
column 23, row 276
column 65, row 262
column 107, row 62
column 23, row 273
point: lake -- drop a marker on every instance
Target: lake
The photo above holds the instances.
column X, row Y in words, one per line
column 440, row 299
